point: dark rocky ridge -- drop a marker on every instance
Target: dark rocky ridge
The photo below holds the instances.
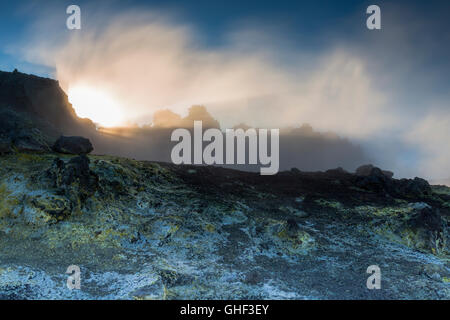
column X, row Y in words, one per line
column 34, row 112
column 42, row 103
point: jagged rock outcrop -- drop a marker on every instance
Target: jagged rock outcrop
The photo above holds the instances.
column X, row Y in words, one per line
column 416, row 187
column 368, row 170
column 34, row 112
column 73, row 179
column 39, row 98
column 374, row 179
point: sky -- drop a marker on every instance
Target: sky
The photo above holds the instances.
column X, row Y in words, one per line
column 265, row 63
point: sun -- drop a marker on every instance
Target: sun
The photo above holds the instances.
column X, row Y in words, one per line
column 97, row 105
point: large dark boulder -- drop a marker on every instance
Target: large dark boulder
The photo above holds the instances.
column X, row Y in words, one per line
column 73, row 145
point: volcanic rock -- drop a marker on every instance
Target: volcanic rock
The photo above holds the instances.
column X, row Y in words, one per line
column 74, row 179
column 73, row 145
column 367, row 170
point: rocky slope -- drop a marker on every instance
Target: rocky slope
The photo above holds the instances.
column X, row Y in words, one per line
column 147, row 230
column 142, row 230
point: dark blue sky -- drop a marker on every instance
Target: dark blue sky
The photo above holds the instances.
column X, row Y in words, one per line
column 311, row 24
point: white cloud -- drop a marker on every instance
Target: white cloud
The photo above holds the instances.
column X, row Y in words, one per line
column 148, row 61
column 431, row 136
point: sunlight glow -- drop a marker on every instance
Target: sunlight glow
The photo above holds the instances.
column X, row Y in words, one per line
column 97, row 105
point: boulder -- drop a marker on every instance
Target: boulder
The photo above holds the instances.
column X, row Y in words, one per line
column 77, row 169
column 388, row 173
column 364, row 170
column 375, row 181
column 73, row 145
column 378, row 181
column 413, row 188
column 338, row 170
column 367, row 170
column 73, row 179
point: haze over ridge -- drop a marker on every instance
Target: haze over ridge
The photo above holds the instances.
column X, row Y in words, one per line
column 149, row 59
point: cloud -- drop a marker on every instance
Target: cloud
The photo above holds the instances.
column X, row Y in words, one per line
column 301, row 148
column 431, row 136
column 149, row 60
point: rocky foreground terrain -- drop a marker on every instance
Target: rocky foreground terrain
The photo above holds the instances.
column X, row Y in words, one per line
column 143, row 230
column 148, row 230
